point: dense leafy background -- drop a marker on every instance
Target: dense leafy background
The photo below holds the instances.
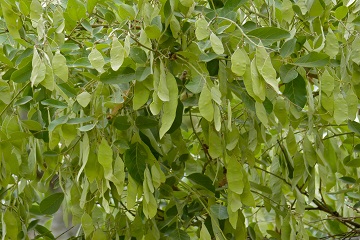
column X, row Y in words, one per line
column 166, row 119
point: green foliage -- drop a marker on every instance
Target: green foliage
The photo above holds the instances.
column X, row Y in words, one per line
column 190, row 119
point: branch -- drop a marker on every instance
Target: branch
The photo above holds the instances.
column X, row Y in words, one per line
column 322, row 206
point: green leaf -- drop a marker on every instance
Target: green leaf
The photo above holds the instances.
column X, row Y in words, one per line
column 234, row 176
column 83, row 98
column 354, row 127
column 206, row 107
column 86, row 128
column 80, row 120
column 162, row 89
column 288, row 48
column 117, row 54
column 44, row 232
column 219, row 211
column 216, row 44
column 179, row 234
column 313, row 59
column 355, row 53
column 35, row 11
column 261, row 113
column 97, row 60
column 99, row 235
column 52, row 203
column 54, row 103
column 123, row 75
column 340, row 109
column 76, row 9
column 348, row 180
column 356, row 21
column 299, row 168
column 204, row 233
column 341, row 12
column 295, row 91
column 196, row 84
column 144, row 122
column 80, row 63
column 5, row 96
column 175, row 26
column 215, row 146
column 230, row 5
column 316, row 9
column 91, row 5
column 257, row 83
column 126, row 12
column 134, row 160
column 265, row 68
column 32, row 125
column 153, row 31
column 269, row 35
column 202, row 180
column 216, row 95
column 239, row 62
column 105, row 158
column 287, row 73
column 49, row 82
column 355, row 163
column 141, row 95
column 142, row 73
column 217, row 118
column 121, row 123
column 138, row 55
column 169, row 108
column 23, row 74
column 327, row 82
column 187, row 3
column 87, row 224
column 247, row 197
column 331, row 44
column 11, row 20
column 22, row 101
column 178, row 117
column 59, row 121
column 310, row 155
column 38, row 69
column 201, row 31
column 59, row 66
column 11, row 224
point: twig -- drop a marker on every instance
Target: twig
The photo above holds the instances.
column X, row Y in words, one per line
column 336, row 135
column 123, row 205
column 142, row 45
column 13, row 99
column 65, row 232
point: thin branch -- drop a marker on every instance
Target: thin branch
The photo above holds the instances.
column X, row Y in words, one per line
column 64, row 232
column 123, row 205
column 336, row 135
column 13, row 99
column 142, row 45
column 281, row 178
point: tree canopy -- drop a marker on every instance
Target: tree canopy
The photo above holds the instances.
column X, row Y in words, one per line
column 189, row 119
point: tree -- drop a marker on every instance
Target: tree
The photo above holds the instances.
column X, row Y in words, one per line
column 166, row 119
